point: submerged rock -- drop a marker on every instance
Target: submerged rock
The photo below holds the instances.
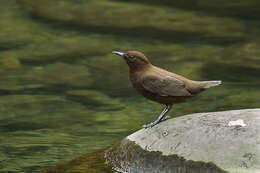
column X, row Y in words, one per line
column 41, row 130
column 57, row 76
column 216, row 142
column 238, row 8
column 95, row 99
column 65, row 75
column 133, row 18
column 20, row 80
column 31, row 112
column 9, row 63
column 118, row 74
column 92, row 162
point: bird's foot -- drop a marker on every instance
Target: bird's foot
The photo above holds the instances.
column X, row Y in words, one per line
column 165, row 118
column 155, row 122
column 150, row 125
column 160, row 118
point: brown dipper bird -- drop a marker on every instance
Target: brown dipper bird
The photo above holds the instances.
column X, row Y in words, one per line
column 160, row 85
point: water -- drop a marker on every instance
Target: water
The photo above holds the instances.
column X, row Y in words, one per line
column 63, row 94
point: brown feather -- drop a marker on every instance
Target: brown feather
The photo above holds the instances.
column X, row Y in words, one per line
column 160, row 85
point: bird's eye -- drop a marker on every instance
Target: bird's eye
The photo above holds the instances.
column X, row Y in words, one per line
column 132, row 58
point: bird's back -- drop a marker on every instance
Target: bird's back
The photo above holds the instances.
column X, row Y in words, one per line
column 194, row 87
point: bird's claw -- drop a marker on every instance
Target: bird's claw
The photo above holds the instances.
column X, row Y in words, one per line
column 148, row 125
column 155, row 122
column 165, row 118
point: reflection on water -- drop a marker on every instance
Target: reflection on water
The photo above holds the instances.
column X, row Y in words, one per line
column 64, row 94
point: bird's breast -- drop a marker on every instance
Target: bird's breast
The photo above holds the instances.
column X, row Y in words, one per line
column 135, row 79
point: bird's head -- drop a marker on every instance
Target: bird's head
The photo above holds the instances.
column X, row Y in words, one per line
column 135, row 60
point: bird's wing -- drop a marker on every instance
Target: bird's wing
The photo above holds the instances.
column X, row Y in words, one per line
column 165, row 86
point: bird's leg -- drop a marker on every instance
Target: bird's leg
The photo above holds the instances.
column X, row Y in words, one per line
column 166, row 109
column 160, row 118
column 166, row 117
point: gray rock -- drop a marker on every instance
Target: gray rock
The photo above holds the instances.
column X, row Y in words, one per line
column 213, row 142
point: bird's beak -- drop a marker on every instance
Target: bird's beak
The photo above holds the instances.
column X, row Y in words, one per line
column 118, row 53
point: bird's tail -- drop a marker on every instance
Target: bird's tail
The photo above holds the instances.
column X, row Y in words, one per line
column 209, row 84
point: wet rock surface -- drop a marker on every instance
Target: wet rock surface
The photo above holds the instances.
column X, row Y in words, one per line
column 218, row 142
column 93, row 162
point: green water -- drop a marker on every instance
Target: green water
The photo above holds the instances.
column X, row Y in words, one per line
column 63, row 94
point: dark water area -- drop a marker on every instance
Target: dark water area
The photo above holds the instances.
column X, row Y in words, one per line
column 63, row 94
